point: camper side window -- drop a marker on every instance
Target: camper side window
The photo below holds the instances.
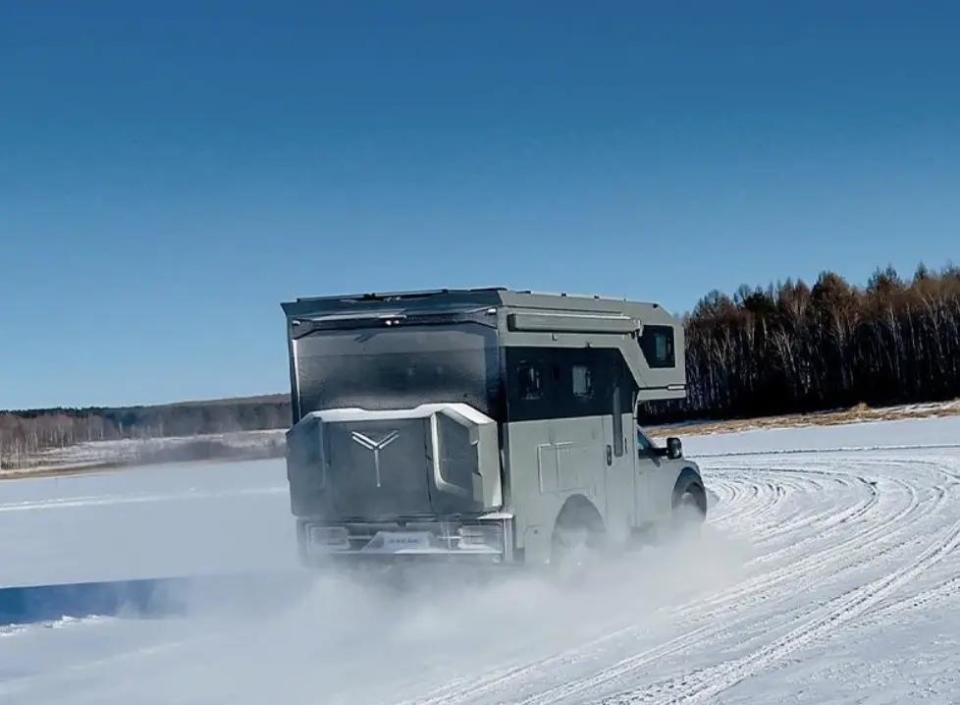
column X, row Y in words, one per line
column 529, row 382
column 582, row 382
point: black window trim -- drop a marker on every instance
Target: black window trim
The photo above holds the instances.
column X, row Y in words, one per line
column 617, row 404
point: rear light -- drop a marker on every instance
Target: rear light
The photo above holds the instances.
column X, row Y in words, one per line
column 329, row 537
column 481, row 536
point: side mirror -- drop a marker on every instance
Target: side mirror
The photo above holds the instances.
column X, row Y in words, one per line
column 674, row 448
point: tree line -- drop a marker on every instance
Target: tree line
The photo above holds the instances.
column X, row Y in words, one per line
column 25, row 433
column 791, row 347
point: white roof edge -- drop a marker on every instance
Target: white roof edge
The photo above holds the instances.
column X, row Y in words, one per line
column 417, row 412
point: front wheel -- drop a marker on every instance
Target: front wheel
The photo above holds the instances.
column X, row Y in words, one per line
column 689, row 510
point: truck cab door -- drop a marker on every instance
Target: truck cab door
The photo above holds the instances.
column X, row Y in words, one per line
column 647, row 464
column 655, row 477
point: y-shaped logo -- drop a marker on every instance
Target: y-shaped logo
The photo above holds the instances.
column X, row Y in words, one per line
column 375, row 446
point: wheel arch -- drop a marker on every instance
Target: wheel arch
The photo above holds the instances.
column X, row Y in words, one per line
column 578, row 510
column 689, row 480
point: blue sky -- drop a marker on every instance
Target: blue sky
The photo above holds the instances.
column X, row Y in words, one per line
column 169, row 175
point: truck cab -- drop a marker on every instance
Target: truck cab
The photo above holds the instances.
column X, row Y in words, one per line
column 483, row 425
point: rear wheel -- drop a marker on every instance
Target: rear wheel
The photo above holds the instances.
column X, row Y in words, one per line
column 578, row 539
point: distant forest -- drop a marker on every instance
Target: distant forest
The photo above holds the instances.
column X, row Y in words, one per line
column 24, row 433
column 787, row 348
column 794, row 348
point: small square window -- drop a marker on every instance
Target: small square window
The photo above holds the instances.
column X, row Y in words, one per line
column 582, row 382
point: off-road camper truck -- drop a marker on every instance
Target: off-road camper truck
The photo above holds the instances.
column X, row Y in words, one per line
column 480, row 424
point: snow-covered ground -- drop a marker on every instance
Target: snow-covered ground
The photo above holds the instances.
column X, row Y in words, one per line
column 827, row 574
column 158, row 520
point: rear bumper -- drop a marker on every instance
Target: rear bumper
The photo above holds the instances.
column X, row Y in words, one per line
column 484, row 539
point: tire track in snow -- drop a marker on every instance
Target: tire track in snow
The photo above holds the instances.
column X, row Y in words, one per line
column 839, row 449
column 700, row 686
column 932, row 596
column 864, row 597
column 734, row 599
column 891, row 527
column 730, row 599
column 781, row 526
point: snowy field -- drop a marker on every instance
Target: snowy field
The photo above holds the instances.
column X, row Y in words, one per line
column 829, row 573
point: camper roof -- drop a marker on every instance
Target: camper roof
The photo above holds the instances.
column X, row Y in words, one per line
column 462, row 298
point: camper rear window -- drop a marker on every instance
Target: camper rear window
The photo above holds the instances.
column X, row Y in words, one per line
column 398, row 367
column 657, row 345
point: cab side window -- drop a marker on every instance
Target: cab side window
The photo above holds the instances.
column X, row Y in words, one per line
column 644, row 444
